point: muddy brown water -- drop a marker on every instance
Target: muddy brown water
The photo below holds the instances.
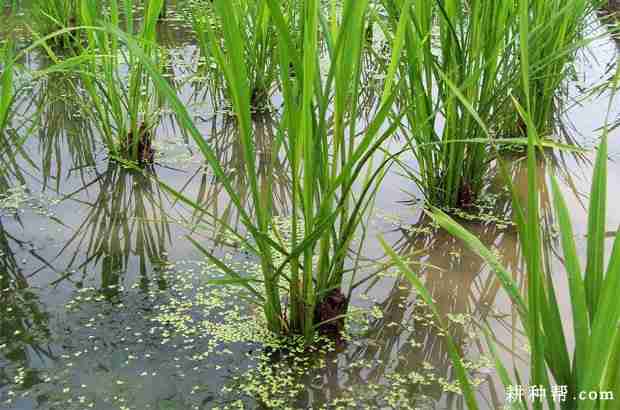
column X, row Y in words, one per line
column 94, row 255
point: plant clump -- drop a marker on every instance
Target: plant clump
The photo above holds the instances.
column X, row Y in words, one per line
column 57, row 16
column 139, row 145
column 120, row 96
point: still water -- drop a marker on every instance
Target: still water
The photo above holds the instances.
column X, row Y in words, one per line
column 104, row 300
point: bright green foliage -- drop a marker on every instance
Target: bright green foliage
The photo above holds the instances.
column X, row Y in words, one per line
column 477, row 49
column 593, row 364
column 122, row 99
column 322, row 146
column 8, row 95
column 258, row 38
column 50, row 16
column 6, row 101
column 6, row 84
column 453, row 66
column 450, row 45
column 555, row 32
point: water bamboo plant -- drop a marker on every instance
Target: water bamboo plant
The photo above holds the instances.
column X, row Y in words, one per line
column 6, row 101
column 122, row 100
column 49, row 16
column 258, row 32
column 556, row 33
column 450, row 45
column 592, row 363
column 328, row 155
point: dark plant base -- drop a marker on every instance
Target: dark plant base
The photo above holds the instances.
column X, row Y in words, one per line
column 291, row 70
column 521, row 128
column 369, row 34
column 70, row 39
column 611, row 11
column 144, row 150
column 66, row 43
column 332, row 310
column 467, row 197
column 259, row 102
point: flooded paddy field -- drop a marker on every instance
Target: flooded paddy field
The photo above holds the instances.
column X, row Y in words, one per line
column 117, row 273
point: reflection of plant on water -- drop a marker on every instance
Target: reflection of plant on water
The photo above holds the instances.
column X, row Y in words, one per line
column 21, row 318
column 24, row 325
column 15, row 123
column 10, row 171
column 213, row 207
column 174, row 32
column 127, row 220
column 62, row 129
column 407, row 339
column 404, row 344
